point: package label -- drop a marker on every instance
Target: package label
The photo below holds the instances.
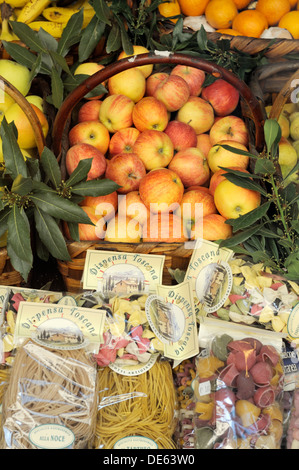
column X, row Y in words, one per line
column 135, row 442
column 135, row 369
column 60, row 326
column 293, row 322
column 122, row 273
column 210, row 276
column 51, row 436
column 171, row 316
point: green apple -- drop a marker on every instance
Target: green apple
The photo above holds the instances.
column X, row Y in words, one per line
column 283, row 121
column 294, row 129
column 293, row 116
column 16, row 74
column 296, row 146
column 287, row 153
column 288, row 109
column 37, row 100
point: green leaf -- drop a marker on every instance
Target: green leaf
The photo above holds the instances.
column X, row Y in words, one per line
column 71, row 34
column 125, row 40
column 240, row 237
column 51, row 166
column 80, row 172
column 19, row 234
column 245, row 183
column 90, row 37
column 250, row 218
column 202, row 40
column 114, row 39
column 264, row 166
column 48, row 41
column 102, row 11
column 24, row 57
column 59, row 207
column 237, row 151
column 95, row 188
column 272, row 132
column 57, row 88
column 51, row 235
column 28, row 36
column 96, row 91
column 13, row 157
column 21, row 266
column 40, row 186
column 21, row 185
column 4, row 214
column 74, row 231
column 59, row 60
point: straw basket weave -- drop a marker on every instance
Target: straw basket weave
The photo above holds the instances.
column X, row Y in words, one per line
column 176, row 254
column 8, row 275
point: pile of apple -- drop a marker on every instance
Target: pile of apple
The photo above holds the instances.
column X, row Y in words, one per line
column 158, row 135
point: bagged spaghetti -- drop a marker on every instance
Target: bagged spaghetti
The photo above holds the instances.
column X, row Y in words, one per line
column 238, row 389
column 137, row 410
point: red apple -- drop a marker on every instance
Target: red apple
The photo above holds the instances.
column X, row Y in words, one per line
column 161, row 190
column 105, row 206
column 197, row 186
column 204, row 143
column 196, row 204
column 192, row 75
column 165, row 228
column 229, row 128
column 191, row 165
column 130, row 205
column 150, row 113
column 223, row 96
column 123, row 229
column 89, row 111
column 90, row 132
column 211, row 227
column 81, row 152
column 218, row 156
column 198, row 113
column 88, row 231
column 154, row 148
column 182, row 135
column 173, row 91
column 116, row 112
column 153, row 81
column 127, row 170
column 122, row 141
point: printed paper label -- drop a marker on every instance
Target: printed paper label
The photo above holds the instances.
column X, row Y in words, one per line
column 51, row 436
column 135, row 442
column 293, row 322
column 133, row 370
column 121, row 273
column 171, row 316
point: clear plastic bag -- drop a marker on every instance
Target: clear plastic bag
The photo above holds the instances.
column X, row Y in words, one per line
column 138, row 411
column 51, row 399
column 238, row 389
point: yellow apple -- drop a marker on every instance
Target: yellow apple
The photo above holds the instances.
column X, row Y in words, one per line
column 16, row 74
column 145, row 69
column 198, row 113
column 232, row 201
column 220, row 157
column 294, row 128
column 283, row 121
column 287, row 153
column 26, row 138
column 37, row 100
column 116, row 112
column 90, row 68
column 130, row 82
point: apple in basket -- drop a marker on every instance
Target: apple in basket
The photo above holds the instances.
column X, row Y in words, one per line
column 204, row 143
column 130, row 82
column 219, row 176
column 127, row 170
column 218, row 156
column 232, row 200
column 90, row 68
column 196, row 204
column 123, row 229
column 166, row 228
column 191, row 166
column 105, row 206
column 122, row 141
column 223, row 96
column 150, row 113
column 89, row 111
column 137, row 49
column 116, row 112
column 81, row 152
column 192, row 75
column 131, row 205
column 182, row 135
column 198, row 113
column 153, row 81
column 154, row 148
column 88, row 232
column 229, row 128
column 173, row 91
column 211, row 227
column 90, row 132
column 161, row 190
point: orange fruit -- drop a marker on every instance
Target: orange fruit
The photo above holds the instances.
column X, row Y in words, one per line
column 193, row 7
column 273, row 9
column 250, row 23
column 220, row 13
column 230, row 31
column 240, row 4
column 170, row 8
column 290, row 21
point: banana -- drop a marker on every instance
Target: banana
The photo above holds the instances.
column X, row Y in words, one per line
column 55, row 29
column 32, row 10
column 63, row 14
column 15, row 3
column 6, row 33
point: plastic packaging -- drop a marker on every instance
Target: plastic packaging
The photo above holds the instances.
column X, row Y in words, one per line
column 51, row 399
column 136, row 411
column 238, row 389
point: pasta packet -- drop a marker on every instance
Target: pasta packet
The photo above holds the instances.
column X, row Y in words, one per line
column 257, row 297
column 136, row 411
column 51, row 398
column 238, row 389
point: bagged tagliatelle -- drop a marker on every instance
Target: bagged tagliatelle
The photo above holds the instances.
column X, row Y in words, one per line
column 238, row 389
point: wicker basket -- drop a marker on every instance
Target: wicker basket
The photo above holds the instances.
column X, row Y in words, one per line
column 177, row 255
column 8, row 275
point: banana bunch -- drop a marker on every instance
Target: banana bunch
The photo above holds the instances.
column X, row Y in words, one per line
column 39, row 14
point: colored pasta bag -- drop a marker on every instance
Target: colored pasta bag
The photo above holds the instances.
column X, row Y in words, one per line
column 238, row 387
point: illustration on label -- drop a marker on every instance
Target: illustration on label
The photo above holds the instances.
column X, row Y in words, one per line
column 213, row 285
column 59, row 333
column 167, row 320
